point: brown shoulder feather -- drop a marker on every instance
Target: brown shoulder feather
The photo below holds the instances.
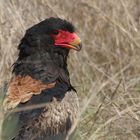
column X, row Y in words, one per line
column 21, row 89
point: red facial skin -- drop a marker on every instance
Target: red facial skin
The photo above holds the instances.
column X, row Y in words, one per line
column 66, row 39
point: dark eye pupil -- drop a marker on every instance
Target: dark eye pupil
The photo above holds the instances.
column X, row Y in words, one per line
column 55, row 32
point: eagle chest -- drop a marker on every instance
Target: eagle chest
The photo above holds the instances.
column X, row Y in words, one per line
column 56, row 119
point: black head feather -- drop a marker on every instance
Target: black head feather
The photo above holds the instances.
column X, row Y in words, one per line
column 38, row 37
column 39, row 58
column 51, row 24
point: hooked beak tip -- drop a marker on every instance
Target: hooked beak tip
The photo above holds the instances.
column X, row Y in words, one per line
column 78, row 47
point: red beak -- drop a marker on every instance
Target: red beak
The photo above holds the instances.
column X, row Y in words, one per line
column 68, row 40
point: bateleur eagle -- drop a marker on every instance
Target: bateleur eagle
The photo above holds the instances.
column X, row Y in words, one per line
column 40, row 92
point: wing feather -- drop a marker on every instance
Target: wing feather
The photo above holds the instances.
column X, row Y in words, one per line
column 22, row 88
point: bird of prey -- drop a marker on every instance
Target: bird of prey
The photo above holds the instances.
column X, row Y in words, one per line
column 40, row 92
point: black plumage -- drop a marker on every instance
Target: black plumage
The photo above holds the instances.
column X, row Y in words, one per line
column 38, row 57
column 45, row 63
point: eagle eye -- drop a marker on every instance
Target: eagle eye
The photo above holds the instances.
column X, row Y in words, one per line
column 55, row 32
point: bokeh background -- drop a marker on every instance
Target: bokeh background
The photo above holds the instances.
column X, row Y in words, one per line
column 106, row 72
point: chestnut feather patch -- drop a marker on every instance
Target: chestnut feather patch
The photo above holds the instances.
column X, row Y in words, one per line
column 22, row 88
